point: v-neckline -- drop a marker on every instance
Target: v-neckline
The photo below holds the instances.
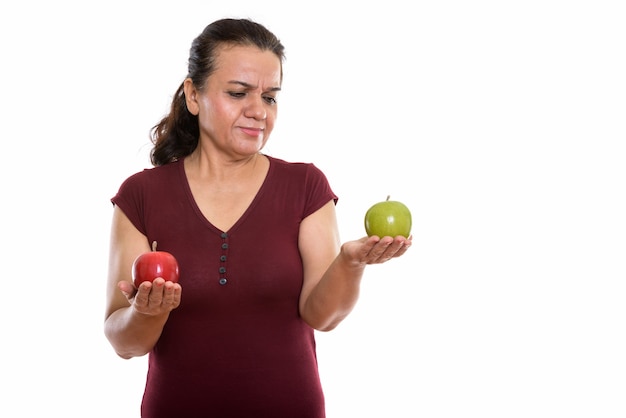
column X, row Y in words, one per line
column 246, row 212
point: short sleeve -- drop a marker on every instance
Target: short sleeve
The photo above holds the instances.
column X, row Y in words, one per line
column 319, row 190
column 129, row 200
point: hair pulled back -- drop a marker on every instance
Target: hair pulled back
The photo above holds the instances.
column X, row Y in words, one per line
column 177, row 134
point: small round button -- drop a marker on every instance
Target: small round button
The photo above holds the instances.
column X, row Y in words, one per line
column 223, row 258
column 223, row 281
column 222, row 270
column 224, row 246
column 224, row 235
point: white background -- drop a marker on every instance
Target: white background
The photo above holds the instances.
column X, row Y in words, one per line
column 501, row 124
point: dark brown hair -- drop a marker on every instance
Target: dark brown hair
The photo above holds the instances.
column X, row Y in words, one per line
column 177, row 134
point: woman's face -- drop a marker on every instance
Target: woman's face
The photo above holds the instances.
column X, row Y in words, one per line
column 237, row 107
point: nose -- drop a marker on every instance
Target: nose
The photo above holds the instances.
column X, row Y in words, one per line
column 255, row 108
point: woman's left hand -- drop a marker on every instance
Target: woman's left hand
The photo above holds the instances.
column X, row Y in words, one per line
column 376, row 250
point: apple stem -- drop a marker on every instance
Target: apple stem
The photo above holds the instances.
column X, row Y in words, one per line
column 154, row 244
column 388, row 196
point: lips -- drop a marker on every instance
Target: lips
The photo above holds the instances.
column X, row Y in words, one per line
column 252, row 131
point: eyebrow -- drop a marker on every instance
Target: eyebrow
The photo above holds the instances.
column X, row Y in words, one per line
column 250, row 86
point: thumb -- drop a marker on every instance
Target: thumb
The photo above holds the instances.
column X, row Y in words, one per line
column 127, row 288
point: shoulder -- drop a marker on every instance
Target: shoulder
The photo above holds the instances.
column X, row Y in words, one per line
column 295, row 168
column 154, row 181
column 154, row 175
column 304, row 179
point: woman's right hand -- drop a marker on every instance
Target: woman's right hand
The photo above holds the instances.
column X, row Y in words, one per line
column 152, row 298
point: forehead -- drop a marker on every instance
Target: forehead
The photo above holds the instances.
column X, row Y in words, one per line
column 249, row 64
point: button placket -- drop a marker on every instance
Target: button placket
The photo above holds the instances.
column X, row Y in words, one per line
column 223, row 258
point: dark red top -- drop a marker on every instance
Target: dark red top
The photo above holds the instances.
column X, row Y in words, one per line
column 236, row 346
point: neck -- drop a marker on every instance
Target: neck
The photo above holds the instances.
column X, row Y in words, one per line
column 217, row 167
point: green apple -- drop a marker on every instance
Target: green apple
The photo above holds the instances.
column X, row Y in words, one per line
column 388, row 218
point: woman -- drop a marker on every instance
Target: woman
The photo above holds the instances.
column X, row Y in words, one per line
column 256, row 238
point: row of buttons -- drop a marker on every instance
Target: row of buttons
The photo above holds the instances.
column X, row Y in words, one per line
column 223, row 257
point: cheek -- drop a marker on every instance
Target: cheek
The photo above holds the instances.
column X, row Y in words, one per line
column 214, row 113
column 272, row 115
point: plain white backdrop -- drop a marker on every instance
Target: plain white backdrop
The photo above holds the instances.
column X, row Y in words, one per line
column 502, row 125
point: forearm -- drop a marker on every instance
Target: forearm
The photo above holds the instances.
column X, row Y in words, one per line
column 133, row 334
column 335, row 295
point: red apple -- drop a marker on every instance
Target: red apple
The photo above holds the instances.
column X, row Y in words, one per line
column 388, row 218
column 148, row 266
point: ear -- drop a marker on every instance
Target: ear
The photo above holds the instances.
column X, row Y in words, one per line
column 191, row 96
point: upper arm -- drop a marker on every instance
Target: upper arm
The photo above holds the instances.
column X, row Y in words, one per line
column 319, row 244
column 126, row 243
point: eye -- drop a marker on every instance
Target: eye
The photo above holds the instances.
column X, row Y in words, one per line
column 236, row 94
column 270, row 99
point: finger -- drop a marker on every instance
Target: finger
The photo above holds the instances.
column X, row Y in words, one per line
column 127, row 289
column 396, row 248
column 155, row 299
column 143, row 294
column 171, row 295
column 377, row 253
